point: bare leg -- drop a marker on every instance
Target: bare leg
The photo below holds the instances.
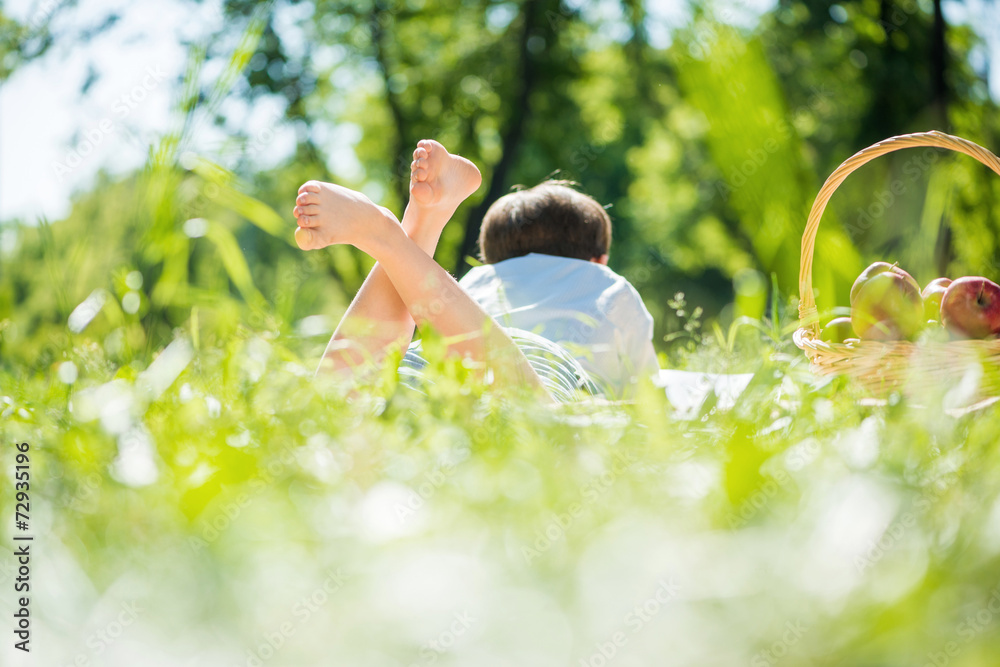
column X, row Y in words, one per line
column 429, row 293
column 377, row 319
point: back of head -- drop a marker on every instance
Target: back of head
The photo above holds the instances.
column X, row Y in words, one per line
column 551, row 218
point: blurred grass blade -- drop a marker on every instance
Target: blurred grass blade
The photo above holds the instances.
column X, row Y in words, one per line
column 254, row 210
column 166, row 368
column 85, row 313
column 235, row 263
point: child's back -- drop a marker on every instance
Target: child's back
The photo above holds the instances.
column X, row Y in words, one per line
column 547, row 250
column 583, row 306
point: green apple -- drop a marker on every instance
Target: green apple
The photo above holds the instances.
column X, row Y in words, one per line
column 837, row 330
column 887, row 306
column 932, row 295
column 870, row 272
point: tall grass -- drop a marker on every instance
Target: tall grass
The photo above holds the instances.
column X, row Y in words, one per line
column 251, row 512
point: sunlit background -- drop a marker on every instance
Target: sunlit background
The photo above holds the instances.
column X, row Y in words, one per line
column 198, row 499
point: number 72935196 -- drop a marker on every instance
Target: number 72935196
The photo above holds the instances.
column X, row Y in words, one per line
column 22, row 477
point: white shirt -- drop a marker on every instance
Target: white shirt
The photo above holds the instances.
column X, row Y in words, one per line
column 585, row 307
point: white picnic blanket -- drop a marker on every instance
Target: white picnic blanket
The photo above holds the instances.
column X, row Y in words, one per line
column 687, row 390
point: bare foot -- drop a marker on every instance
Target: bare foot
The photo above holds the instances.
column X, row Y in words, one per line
column 439, row 179
column 328, row 214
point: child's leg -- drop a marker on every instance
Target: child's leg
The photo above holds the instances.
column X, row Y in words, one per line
column 377, row 318
column 428, row 291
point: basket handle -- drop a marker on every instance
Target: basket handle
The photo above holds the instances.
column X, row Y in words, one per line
column 808, row 314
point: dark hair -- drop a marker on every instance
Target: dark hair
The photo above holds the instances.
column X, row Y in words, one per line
column 551, row 218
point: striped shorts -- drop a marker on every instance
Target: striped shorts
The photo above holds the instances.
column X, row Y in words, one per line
column 561, row 374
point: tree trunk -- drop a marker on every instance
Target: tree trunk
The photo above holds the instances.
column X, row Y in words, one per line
column 400, row 143
column 513, row 133
column 939, row 111
column 939, row 64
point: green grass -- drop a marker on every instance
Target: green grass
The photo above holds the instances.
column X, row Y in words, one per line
column 243, row 507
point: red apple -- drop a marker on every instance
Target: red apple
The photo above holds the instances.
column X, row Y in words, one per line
column 932, row 298
column 837, row 330
column 874, row 270
column 970, row 307
column 888, row 307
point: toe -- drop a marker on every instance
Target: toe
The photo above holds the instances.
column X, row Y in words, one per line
column 419, row 175
column 310, row 186
column 421, row 152
column 308, row 209
column 432, row 146
column 304, row 238
column 426, row 144
column 307, row 221
column 422, row 193
column 307, row 198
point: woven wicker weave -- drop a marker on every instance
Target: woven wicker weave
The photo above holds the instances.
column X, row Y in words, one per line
column 887, row 365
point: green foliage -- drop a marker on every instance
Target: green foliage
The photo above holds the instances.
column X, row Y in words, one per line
column 708, row 153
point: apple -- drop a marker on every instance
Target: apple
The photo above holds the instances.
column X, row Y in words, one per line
column 887, row 306
column 874, row 270
column 970, row 307
column 837, row 330
column 932, row 298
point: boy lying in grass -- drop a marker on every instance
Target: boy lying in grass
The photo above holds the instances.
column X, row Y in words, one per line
column 569, row 322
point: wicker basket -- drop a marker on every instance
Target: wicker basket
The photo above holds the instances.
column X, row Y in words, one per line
column 888, row 365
